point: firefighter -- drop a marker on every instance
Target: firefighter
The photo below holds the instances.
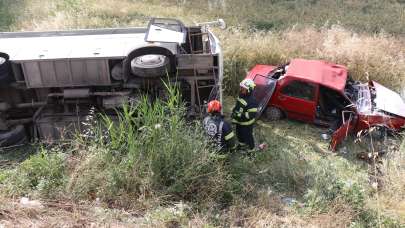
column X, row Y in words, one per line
column 217, row 128
column 244, row 114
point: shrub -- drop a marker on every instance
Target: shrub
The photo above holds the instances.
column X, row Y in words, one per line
column 43, row 174
column 151, row 151
column 371, row 218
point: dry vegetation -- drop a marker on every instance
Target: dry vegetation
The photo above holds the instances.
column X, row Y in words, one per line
column 331, row 191
column 378, row 56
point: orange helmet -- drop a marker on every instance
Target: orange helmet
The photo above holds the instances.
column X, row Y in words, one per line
column 214, row 106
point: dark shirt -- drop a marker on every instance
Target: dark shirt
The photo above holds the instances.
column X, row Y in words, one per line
column 219, row 131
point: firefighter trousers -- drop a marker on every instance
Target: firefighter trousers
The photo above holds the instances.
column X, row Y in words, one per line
column 245, row 135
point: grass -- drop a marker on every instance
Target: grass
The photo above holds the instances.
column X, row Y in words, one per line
column 347, row 37
column 158, row 165
column 43, row 174
column 378, row 57
column 166, row 162
column 371, row 16
column 148, row 153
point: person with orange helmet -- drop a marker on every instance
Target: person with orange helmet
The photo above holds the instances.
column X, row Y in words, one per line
column 217, row 128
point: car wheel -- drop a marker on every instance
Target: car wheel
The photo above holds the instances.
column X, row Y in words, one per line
column 149, row 62
column 273, row 113
column 12, row 137
column 150, row 66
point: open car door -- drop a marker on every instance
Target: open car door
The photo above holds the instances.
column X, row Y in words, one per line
column 343, row 131
column 265, row 86
column 166, row 31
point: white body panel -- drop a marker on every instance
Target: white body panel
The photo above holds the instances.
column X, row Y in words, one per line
column 159, row 34
column 80, row 44
column 388, row 100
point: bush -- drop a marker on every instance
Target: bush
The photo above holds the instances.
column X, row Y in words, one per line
column 43, row 174
column 371, row 218
column 150, row 150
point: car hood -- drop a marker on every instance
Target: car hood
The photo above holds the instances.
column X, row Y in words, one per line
column 388, row 100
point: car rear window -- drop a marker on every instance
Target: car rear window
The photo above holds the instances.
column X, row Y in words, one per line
column 299, row 89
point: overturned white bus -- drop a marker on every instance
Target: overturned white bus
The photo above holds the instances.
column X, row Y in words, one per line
column 49, row 80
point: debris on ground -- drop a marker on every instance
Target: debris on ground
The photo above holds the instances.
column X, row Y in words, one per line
column 325, row 136
column 263, row 146
column 289, row 201
column 343, row 150
column 27, row 203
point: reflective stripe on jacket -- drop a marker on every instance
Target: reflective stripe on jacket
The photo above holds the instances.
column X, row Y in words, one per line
column 245, row 110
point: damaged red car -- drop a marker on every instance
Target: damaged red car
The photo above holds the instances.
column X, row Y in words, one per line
column 322, row 93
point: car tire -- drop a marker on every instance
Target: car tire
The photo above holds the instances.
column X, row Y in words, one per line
column 149, row 71
column 273, row 113
column 15, row 136
column 5, row 70
column 150, row 66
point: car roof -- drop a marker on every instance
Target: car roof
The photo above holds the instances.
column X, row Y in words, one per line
column 320, row 72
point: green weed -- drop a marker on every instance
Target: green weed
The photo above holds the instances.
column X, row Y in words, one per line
column 371, row 218
column 150, row 150
column 43, row 174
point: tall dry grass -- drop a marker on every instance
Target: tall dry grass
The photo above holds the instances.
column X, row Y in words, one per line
column 379, row 57
column 74, row 14
column 390, row 200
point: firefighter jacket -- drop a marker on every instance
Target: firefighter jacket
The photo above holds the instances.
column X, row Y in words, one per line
column 219, row 131
column 245, row 110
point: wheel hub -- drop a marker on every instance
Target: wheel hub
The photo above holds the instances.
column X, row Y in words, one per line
column 150, row 60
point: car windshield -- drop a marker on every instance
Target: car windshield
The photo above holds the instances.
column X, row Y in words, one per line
column 265, row 86
column 360, row 95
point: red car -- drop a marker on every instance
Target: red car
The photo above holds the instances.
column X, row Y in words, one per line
column 322, row 93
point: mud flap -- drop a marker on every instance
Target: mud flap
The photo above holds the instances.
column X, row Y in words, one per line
column 343, row 131
column 265, row 87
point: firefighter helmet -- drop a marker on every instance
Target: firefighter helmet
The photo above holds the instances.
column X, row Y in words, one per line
column 248, row 84
column 214, row 106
